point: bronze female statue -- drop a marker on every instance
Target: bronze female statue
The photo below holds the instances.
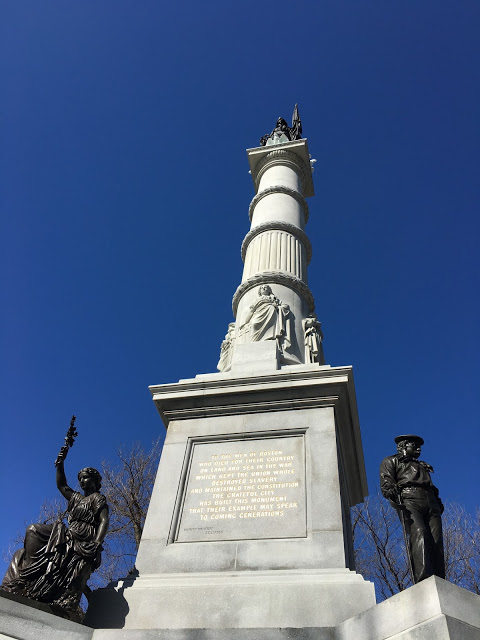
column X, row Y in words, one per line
column 56, row 561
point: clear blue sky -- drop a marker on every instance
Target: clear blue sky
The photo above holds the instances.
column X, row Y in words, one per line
column 124, row 202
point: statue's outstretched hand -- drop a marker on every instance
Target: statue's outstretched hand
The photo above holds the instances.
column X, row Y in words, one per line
column 61, row 456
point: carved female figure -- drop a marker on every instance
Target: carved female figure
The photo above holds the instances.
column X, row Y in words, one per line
column 226, row 349
column 56, row 560
column 313, row 339
column 269, row 318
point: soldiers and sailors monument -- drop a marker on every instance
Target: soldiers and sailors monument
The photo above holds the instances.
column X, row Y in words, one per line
column 248, row 533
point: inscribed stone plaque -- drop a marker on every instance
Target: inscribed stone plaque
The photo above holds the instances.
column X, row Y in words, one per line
column 245, row 489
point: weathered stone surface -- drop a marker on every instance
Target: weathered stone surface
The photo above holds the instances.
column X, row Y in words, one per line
column 262, row 599
column 433, row 609
column 23, row 622
column 215, row 634
column 255, row 358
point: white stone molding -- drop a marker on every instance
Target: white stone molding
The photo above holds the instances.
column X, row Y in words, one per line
column 285, row 157
column 276, row 250
column 274, row 277
column 278, row 226
column 279, row 189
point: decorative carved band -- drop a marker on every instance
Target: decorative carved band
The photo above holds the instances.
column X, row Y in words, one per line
column 277, row 226
column 279, row 189
column 282, row 156
column 273, row 277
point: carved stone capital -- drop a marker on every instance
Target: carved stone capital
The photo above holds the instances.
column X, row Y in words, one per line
column 279, row 189
column 283, row 156
column 273, row 277
column 277, row 226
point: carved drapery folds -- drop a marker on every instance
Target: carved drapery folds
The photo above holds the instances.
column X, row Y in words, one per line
column 226, row 349
column 313, row 337
column 267, row 319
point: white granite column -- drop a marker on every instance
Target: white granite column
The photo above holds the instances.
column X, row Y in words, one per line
column 276, row 252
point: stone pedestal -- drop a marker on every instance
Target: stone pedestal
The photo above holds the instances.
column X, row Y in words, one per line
column 431, row 610
column 255, row 358
column 248, row 524
column 30, row 622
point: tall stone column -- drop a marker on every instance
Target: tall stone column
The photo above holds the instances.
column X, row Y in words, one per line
column 273, row 306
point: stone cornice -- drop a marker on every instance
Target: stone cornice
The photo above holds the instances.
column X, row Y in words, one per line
column 298, row 148
column 282, row 390
column 274, row 277
column 277, row 226
column 279, row 189
column 289, row 158
column 226, row 383
column 250, row 407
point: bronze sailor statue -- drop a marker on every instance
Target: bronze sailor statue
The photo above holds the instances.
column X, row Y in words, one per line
column 406, row 482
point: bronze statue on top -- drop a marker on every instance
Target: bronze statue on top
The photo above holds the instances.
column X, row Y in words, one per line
column 405, row 481
column 56, row 561
column 282, row 132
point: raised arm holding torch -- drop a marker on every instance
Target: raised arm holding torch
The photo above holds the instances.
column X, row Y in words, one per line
column 69, row 440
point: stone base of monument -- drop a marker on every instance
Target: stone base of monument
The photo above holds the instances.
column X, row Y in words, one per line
column 431, row 610
column 261, row 599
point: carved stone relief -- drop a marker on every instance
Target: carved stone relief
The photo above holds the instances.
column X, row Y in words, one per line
column 267, row 319
column 313, row 337
column 226, row 349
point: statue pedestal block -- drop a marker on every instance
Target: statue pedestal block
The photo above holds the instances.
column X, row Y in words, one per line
column 430, row 610
column 248, row 524
column 32, row 621
column 255, row 358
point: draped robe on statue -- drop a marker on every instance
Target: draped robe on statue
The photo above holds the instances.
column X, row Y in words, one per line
column 270, row 321
column 313, row 340
column 61, row 558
